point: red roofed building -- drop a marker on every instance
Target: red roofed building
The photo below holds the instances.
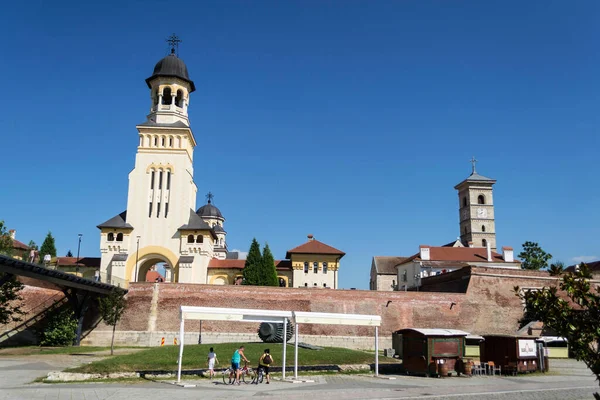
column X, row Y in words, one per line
column 312, row 264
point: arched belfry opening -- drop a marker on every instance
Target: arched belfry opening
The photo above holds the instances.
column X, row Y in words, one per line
column 179, row 99
column 167, row 97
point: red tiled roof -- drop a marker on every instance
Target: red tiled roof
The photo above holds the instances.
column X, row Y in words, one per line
column 19, row 245
column 152, row 275
column 464, row 254
column 86, row 261
column 313, row 246
column 281, row 265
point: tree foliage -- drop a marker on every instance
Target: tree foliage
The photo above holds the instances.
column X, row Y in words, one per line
column 48, row 247
column 112, row 308
column 533, row 256
column 60, row 330
column 69, row 254
column 268, row 272
column 6, row 242
column 10, row 300
column 253, row 265
column 571, row 310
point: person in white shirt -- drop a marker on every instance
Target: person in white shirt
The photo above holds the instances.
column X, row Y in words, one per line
column 212, row 359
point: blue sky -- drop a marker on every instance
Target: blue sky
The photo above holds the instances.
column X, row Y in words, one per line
column 350, row 120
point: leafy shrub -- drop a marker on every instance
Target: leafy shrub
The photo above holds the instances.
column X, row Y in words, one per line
column 60, row 330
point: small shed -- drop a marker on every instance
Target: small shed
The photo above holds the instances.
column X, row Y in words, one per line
column 516, row 353
column 431, row 351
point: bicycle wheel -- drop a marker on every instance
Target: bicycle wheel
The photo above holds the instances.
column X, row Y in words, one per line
column 225, row 376
column 260, row 376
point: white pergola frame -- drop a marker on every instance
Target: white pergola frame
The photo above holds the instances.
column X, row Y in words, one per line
column 276, row 316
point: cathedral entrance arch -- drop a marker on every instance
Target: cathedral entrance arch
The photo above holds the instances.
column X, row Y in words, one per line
column 146, row 258
column 154, row 261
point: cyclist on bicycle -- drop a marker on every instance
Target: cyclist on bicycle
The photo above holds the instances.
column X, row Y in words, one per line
column 264, row 363
column 235, row 363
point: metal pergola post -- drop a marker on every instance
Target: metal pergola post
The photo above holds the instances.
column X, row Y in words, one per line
column 181, row 332
column 284, row 347
column 376, row 351
column 296, row 351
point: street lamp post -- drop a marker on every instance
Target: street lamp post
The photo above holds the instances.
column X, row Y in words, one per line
column 78, row 248
column 137, row 256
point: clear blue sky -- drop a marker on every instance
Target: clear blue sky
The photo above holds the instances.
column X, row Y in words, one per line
column 350, row 120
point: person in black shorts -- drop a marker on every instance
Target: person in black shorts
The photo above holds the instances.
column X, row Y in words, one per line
column 265, row 362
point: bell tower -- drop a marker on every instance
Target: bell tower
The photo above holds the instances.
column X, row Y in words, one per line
column 476, row 210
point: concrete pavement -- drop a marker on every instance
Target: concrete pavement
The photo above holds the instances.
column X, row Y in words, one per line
column 568, row 380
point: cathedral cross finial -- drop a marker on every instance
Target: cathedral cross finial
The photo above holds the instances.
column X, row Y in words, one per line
column 473, row 162
column 209, row 197
column 174, row 41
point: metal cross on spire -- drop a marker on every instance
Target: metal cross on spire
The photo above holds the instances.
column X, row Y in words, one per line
column 473, row 162
column 209, row 197
column 174, row 41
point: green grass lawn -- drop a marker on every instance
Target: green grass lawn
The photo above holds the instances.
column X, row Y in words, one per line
column 194, row 357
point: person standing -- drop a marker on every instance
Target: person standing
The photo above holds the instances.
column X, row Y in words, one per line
column 235, row 363
column 212, row 360
column 265, row 362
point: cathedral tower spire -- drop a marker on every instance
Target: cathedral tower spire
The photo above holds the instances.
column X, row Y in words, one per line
column 476, row 210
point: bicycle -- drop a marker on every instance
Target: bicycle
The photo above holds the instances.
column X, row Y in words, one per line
column 229, row 374
column 258, row 377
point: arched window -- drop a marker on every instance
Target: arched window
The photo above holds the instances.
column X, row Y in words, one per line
column 315, row 267
column 199, row 239
column 464, row 201
column 162, row 142
column 119, row 237
column 306, row 285
column 190, row 238
column 166, row 98
column 110, row 237
column 324, row 267
column 324, row 285
column 484, row 242
column 179, row 99
column 482, row 228
column 306, row 268
column 155, row 141
column 170, row 141
column 481, row 199
column 315, row 285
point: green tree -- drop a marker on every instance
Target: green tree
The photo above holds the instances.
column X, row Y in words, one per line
column 268, row 273
column 69, row 254
column 60, row 330
column 112, row 308
column 253, row 264
column 10, row 300
column 571, row 311
column 533, row 257
column 6, row 242
column 32, row 245
column 48, row 247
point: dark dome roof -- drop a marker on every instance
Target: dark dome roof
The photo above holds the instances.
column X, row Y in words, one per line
column 209, row 211
column 173, row 66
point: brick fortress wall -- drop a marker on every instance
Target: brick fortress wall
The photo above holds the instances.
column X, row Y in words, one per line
column 477, row 300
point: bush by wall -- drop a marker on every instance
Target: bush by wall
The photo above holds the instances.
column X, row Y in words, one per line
column 60, row 330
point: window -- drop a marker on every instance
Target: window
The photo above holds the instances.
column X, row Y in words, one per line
column 166, row 209
column 170, row 142
column 119, row 237
column 152, row 180
column 199, row 239
column 162, row 142
column 158, row 210
column 324, row 285
column 160, row 180
column 464, row 201
column 306, row 268
column 190, row 239
column 150, row 210
column 324, row 267
column 155, row 140
column 482, row 228
column 167, row 98
column 481, row 199
column 168, row 180
column 484, row 243
column 315, row 285
column 306, row 285
column 179, row 99
column 404, row 276
column 110, row 237
column 315, row 267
